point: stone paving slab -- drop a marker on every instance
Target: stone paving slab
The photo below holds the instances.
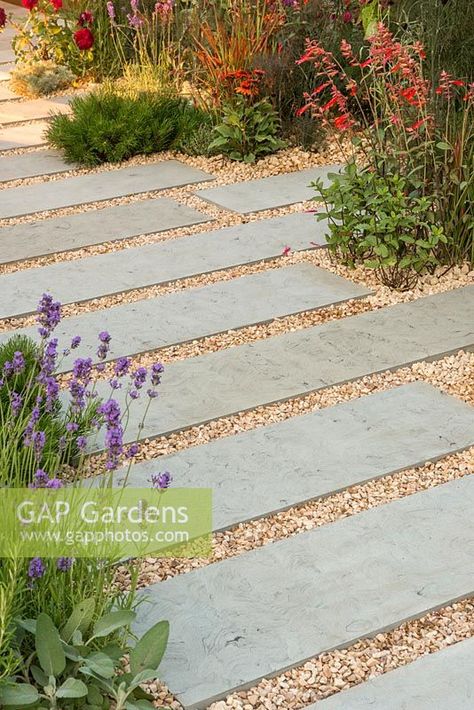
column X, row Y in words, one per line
column 439, row 681
column 24, row 241
column 194, row 313
column 269, row 469
column 7, row 55
column 96, row 276
column 6, row 94
column 36, row 108
column 267, row 193
column 42, row 162
column 25, row 136
column 258, row 614
column 222, row 383
column 5, row 70
column 95, row 187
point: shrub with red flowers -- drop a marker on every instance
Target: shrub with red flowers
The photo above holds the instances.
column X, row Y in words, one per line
column 83, row 38
column 402, row 126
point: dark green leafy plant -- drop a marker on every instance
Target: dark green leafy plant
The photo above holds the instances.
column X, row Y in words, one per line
column 375, row 222
column 108, row 127
column 248, row 131
column 65, row 667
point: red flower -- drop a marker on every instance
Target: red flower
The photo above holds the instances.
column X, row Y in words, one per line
column 83, row 38
column 57, row 4
column 347, row 16
column 29, row 4
column 85, row 18
column 3, row 17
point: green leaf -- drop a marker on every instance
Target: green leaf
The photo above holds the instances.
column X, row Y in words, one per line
column 20, row 694
column 80, row 619
column 40, row 677
column 94, row 696
column 138, row 705
column 443, row 146
column 49, row 647
column 100, row 664
column 112, row 622
column 27, row 624
column 150, row 649
column 72, row 688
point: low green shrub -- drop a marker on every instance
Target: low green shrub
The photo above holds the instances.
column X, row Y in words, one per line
column 375, row 222
column 108, row 127
column 65, row 666
column 247, row 131
column 40, row 79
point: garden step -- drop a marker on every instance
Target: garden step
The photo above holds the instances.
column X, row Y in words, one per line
column 222, row 383
column 30, row 110
column 95, row 187
column 152, row 264
column 6, row 94
column 43, row 162
column 5, row 70
column 194, row 313
column 439, row 681
column 24, row 241
column 25, row 136
column 267, row 610
column 266, row 470
column 7, row 55
column 267, row 193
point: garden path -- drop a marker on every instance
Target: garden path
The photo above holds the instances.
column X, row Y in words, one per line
column 264, row 610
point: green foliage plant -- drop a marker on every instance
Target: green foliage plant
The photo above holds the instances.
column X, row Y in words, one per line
column 40, row 79
column 248, row 131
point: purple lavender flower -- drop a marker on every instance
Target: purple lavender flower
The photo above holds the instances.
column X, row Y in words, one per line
column 156, row 371
column 30, row 427
column 77, row 392
column 38, row 440
column 48, row 315
column 15, row 402
column 82, row 368
column 161, row 480
column 40, row 479
column 122, row 366
column 134, row 394
column 103, row 349
column 64, row 564
column 111, row 413
column 134, row 20
column 8, row 368
column 48, row 361
column 139, row 377
column 81, row 443
column 133, row 450
column 18, row 362
column 115, row 383
column 62, row 443
column 152, row 393
column 54, row 483
column 36, row 568
column 72, row 426
column 75, row 342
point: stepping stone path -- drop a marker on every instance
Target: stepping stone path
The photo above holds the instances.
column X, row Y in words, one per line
column 24, row 136
column 73, row 191
column 26, row 165
column 271, row 608
column 50, row 236
column 194, row 313
column 257, row 614
column 328, row 451
column 144, row 266
column 439, row 681
column 267, row 193
column 34, row 109
column 222, row 383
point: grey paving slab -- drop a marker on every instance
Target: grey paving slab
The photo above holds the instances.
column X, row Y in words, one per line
column 95, row 187
column 23, row 136
column 6, row 94
column 267, row 193
column 258, row 614
column 7, row 55
column 266, row 470
column 195, row 313
column 5, row 71
column 42, row 162
column 30, row 110
column 24, row 241
column 439, row 681
column 218, row 384
column 152, row 264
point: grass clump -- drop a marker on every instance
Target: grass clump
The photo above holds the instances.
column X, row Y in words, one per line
column 40, row 79
column 106, row 127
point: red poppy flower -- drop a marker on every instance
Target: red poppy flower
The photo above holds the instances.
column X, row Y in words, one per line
column 85, row 18
column 83, row 38
column 29, row 4
column 3, row 17
column 57, row 4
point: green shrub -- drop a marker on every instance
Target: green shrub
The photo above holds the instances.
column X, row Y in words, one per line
column 374, row 222
column 40, row 79
column 248, row 131
column 108, row 127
